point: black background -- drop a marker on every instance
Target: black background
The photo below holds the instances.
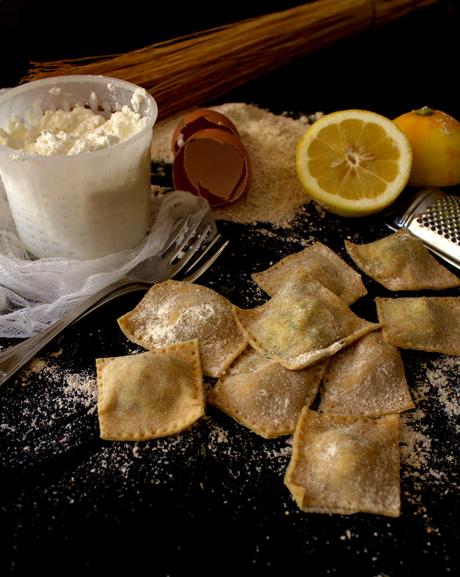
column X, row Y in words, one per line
column 197, row 511
column 404, row 65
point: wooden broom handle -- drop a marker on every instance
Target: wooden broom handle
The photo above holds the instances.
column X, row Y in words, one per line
column 182, row 72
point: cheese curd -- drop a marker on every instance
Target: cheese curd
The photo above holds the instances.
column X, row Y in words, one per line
column 72, row 131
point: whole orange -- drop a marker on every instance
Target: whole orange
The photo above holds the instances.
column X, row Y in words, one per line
column 435, row 140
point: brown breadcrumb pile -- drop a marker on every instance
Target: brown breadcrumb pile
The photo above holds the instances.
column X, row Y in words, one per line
column 275, row 194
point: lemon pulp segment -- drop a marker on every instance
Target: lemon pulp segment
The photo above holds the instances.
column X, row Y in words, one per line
column 354, row 162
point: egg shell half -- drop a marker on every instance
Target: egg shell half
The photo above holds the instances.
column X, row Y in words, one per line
column 198, row 120
column 214, row 164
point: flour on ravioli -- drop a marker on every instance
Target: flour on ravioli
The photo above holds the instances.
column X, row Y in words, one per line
column 366, row 379
column 323, row 265
column 263, row 395
column 345, row 465
column 302, row 324
column 400, row 262
column 422, row 323
column 174, row 311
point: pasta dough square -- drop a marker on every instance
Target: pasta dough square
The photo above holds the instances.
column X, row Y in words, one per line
column 366, row 379
column 424, row 324
column 400, row 262
column 264, row 396
column 150, row 395
column 174, row 312
column 345, row 464
column 323, row 265
column 302, row 324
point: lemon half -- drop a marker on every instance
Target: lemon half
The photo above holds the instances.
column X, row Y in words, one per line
column 354, row 162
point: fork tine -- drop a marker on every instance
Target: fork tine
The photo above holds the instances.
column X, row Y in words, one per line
column 204, row 267
column 202, row 255
column 176, row 250
column 176, row 234
column 191, row 251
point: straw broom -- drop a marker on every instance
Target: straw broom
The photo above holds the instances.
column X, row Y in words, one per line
column 191, row 69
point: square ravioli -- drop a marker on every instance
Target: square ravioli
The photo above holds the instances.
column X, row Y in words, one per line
column 323, row 265
column 429, row 324
column 366, row 379
column 264, row 396
column 401, row 262
column 150, row 395
column 302, row 324
column 345, row 464
column 174, row 312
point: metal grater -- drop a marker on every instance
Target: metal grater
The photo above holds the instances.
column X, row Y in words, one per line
column 434, row 218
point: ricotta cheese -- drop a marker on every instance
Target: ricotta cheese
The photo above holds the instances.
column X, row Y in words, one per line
column 73, row 131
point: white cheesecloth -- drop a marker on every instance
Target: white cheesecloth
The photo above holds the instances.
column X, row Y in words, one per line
column 36, row 292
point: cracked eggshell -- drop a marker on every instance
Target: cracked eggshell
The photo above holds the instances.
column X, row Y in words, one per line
column 214, row 164
column 197, row 120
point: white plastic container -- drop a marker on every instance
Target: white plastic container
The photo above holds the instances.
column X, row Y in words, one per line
column 84, row 205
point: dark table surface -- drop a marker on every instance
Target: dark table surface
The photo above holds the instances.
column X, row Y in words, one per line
column 211, row 500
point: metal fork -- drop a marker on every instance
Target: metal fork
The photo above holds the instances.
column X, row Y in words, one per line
column 191, row 249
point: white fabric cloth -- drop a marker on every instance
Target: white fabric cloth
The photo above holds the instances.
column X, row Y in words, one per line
column 35, row 293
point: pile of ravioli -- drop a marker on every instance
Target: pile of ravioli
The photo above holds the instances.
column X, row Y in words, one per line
column 271, row 361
